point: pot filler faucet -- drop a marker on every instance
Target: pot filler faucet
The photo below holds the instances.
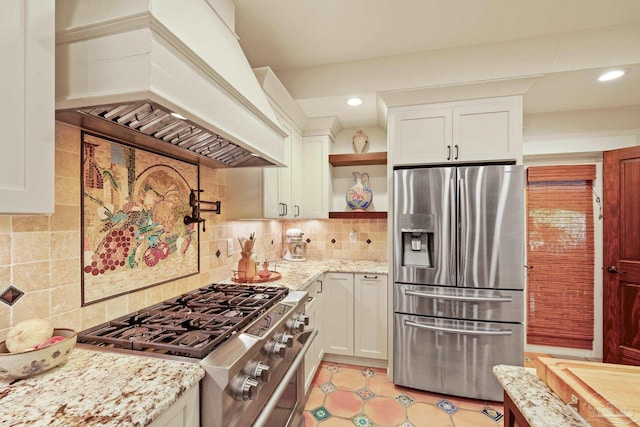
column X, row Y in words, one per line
column 195, row 202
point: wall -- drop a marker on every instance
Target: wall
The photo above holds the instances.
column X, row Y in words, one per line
column 40, row 255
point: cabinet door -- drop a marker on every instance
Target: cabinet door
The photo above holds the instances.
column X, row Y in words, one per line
column 284, row 175
column 316, row 176
column 338, row 313
column 370, row 312
column 488, row 131
column 296, row 175
column 27, row 153
column 313, row 309
column 421, row 136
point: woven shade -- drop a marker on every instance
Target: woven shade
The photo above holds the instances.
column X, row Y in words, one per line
column 560, row 249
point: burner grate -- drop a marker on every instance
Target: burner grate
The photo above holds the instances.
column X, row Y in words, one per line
column 191, row 324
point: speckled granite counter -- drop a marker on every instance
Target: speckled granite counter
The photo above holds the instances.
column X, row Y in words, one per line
column 537, row 403
column 298, row 275
column 97, row 388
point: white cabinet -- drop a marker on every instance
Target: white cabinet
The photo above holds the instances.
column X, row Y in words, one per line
column 338, row 313
column 27, row 153
column 316, row 176
column 356, row 315
column 370, row 312
column 314, row 309
column 185, row 412
column 479, row 130
column 270, row 192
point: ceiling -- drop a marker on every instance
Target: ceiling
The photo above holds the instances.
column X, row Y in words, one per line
column 327, row 50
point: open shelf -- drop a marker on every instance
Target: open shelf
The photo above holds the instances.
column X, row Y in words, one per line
column 358, row 159
column 358, row 215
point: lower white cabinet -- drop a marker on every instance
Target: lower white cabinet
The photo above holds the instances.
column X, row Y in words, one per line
column 185, row 412
column 355, row 315
column 313, row 309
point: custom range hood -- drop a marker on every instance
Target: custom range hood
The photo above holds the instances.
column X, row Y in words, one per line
column 165, row 75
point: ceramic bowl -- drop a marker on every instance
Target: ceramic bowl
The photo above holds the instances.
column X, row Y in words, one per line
column 31, row 362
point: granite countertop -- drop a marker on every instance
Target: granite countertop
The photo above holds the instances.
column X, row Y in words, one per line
column 97, row 388
column 537, row 403
column 298, row 275
column 118, row 389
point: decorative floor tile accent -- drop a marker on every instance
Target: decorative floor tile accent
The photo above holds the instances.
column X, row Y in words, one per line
column 362, row 420
column 320, row 413
column 447, row 406
column 328, row 388
column 404, row 400
column 368, row 372
column 405, row 424
column 365, row 394
column 492, row 413
column 333, row 368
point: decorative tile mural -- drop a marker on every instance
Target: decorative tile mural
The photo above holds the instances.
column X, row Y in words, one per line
column 133, row 206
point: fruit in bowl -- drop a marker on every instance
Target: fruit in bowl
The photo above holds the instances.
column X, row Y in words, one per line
column 33, row 347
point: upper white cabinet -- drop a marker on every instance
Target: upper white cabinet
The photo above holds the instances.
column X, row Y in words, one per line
column 316, row 176
column 466, row 131
column 272, row 192
column 27, row 153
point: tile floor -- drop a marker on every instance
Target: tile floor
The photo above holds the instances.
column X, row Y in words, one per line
column 348, row 395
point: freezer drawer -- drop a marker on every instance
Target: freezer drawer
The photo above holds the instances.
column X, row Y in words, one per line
column 460, row 303
column 454, row 356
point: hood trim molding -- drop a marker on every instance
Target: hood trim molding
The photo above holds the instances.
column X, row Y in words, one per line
column 144, row 20
column 180, row 56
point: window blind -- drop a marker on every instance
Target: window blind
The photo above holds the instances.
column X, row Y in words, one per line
column 560, row 250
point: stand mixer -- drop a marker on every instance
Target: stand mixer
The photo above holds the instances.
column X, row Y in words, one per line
column 296, row 246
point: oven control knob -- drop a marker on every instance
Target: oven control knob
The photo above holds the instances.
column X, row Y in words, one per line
column 304, row 319
column 257, row 370
column 295, row 326
column 286, row 339
column 261, row 372
column 247, row 388
column 279, row 349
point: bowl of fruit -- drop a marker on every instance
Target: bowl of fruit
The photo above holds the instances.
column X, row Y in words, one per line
column 33, row 346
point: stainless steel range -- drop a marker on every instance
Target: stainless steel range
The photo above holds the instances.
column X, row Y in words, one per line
column 249, row 339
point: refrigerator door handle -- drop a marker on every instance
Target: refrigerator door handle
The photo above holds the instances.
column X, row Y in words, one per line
column 459, row 297
column 459, row 331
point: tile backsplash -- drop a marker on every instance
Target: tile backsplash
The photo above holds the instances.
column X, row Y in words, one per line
column 40, row 254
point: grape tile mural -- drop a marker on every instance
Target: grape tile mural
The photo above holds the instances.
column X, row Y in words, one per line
column 133, row 206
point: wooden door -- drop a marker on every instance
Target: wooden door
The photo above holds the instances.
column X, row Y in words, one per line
column 621, row 297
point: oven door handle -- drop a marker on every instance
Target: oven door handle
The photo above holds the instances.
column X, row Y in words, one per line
column 459, row 331
column 459, row 297
column 277, row 393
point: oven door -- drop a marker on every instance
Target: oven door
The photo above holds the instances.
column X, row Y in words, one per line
column 453, row 356
column 284, row 408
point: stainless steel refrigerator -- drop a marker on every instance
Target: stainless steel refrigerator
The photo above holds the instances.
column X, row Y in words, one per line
column 459, row 277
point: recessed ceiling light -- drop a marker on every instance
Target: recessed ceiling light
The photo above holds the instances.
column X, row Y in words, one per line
column 354, row 101
column 178, row 116
column 611, row 75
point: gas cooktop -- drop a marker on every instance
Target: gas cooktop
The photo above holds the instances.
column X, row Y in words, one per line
column 189, row 325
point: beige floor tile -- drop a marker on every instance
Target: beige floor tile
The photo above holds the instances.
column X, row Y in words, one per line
column 316, row 398
column 336, row 422
column 385, row 411
column 349, row 379
column 382, row 387
column 423, row 414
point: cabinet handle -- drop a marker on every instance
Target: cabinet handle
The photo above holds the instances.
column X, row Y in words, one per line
column 448, row 152
column 286, row 211
column 370, row 277
column 320, row 291
column 456, row 156
column 297, row 210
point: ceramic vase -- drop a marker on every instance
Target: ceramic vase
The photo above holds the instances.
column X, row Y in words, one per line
column 359, row 196
column 360, row 140
column 246, row 266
